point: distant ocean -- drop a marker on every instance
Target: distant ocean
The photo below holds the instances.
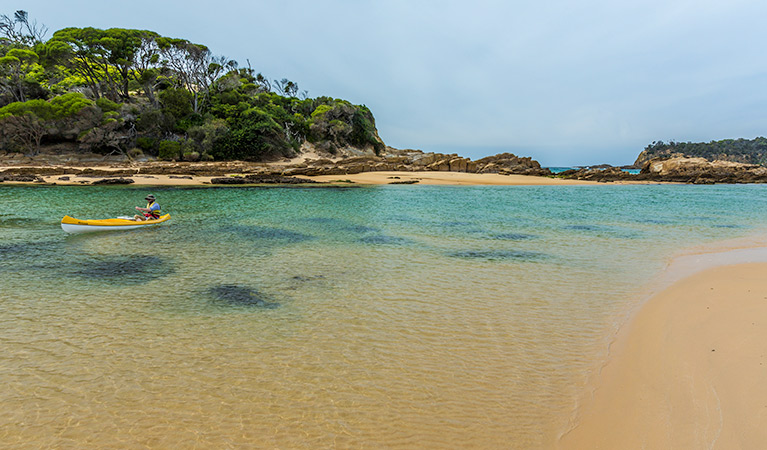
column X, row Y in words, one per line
column 379, row 317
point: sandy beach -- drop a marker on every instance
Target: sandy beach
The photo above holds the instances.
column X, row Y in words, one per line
column 687, row 371
column 448, row 178
column 365, row 178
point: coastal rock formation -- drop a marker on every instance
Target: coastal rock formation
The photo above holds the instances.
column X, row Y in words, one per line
column 702, row 171
column 508, row 164
column 608, row 174
column 21, row 178
column 118, row 180
column 416, row 160
column 677, row 169
column 260, row 179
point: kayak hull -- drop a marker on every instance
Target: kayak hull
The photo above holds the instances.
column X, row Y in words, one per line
column 72, row 225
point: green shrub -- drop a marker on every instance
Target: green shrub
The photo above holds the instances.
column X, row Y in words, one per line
column 107, row 105
column 169, row 150
column 177, row 102
column 146, row 144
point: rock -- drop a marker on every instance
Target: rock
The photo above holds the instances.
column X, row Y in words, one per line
column 509, row 163
column 21, row 178
column 113, row 181
column 260, row 179
column 702, row 171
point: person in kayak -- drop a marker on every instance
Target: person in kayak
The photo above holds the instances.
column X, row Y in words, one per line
column 152, row 210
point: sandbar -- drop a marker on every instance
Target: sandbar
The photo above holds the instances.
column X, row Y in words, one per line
column 448, row 178
column 364, row 178
column 688, row 371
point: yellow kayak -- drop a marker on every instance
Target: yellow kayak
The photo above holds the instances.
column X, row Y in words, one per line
column 72, row 225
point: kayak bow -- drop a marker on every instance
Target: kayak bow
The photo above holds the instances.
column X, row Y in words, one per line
column 72, row 225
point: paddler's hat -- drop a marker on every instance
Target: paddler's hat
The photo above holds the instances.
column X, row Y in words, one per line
column 150, row 197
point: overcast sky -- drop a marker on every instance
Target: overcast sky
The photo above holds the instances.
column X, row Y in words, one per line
column 566, row 82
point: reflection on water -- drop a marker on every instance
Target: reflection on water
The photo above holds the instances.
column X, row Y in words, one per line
column 394, row 317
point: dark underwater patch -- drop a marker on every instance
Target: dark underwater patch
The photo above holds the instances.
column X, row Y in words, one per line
column 498, row 255
column 235, row 295
column 361, row 229
column 342, row 225
column 384, row 239
column 258, row 232
column 28, row 249
column 452, row 224
column 655, row 221
column 125, row 269
column 22, row 222
column 327, row 221
column 603, row 230
column 583, row 227
column 728, row 226
column 511, row 236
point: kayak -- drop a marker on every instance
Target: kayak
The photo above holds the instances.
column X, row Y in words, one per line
column 72, row 225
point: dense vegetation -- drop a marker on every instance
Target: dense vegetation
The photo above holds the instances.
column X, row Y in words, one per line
column 137, row 92
column 750, row 151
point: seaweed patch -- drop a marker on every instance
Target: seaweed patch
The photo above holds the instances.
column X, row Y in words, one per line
column 268, row 233
column 125, row 269
column 512, row 236
column 384, row 239
column 499, row 255
column 236, row 295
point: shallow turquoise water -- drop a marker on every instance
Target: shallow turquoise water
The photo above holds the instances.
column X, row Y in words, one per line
column 394, row 316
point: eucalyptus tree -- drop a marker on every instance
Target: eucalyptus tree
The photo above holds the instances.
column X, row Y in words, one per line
column 15, row 67
column 194, row 65
column 103, row 58
column 19, row 31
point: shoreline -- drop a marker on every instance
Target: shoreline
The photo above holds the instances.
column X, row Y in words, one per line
column 71, row 176
column 684, row 369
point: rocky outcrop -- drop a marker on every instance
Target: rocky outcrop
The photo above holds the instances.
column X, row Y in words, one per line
column 118, row 180
column 415, row 160
column 609, row 174
column 677, row 169
column 260, row 179
column 508, row 164
column 14, row 177
column 702, row 171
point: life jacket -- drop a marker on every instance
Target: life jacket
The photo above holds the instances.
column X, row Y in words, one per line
column 152, row 214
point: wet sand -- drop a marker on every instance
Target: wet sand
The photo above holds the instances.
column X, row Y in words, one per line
column 688, row 371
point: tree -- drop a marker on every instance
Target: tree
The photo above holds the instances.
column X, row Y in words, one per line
column 14, row 68
column 194, row 65
column 286, row 87
column 19, row 31
column 146, row 60
column 104, row 58
column 26, row 131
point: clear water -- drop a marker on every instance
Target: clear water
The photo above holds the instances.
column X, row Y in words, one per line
column 392, row 316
